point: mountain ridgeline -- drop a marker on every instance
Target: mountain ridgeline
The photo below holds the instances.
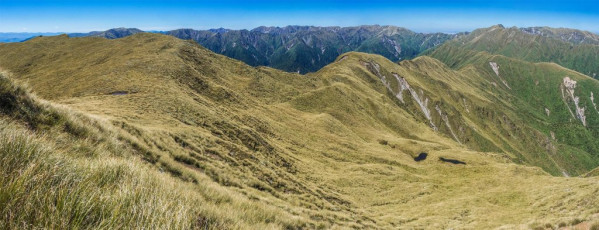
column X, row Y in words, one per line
column 573, row 49
column 307, row 48
column 109, row 34
column 300, row 48
column 461, row 138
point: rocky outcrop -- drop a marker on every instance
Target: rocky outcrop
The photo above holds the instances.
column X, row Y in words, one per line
column 446, row 121
column 495, row 68
column 403, row 85
column 420, row 99
column 593, row 101
column 569, row 85
column 465, row 105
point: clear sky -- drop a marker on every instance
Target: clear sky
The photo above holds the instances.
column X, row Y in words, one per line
column 418, row 15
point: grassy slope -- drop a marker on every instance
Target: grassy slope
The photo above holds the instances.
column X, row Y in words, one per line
column 62, row 169
column 535, row 87
column 594, row 172
column 333, row 148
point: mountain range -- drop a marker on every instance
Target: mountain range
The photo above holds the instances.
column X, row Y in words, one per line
column 473, row 132
column 307, row 48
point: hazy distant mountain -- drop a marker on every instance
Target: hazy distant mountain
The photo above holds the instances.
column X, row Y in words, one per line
column 110, row 34
column 19, row 37
column 308, row 48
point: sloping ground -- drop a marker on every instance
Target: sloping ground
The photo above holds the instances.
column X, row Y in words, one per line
column 557, row 103
column 62, row 169
column 334, row 148
column 594, row 172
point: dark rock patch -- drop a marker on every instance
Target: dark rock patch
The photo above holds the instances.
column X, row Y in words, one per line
column 383, row 142
column 421, row 157
column 453, row 161
column 116, row 93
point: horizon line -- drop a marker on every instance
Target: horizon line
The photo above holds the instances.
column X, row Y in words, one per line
column 250, row 29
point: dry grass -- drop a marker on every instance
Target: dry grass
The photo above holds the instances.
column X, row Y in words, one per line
column 81, row 173
column 306, row 148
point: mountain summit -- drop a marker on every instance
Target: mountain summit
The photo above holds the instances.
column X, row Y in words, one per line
column 110, row 34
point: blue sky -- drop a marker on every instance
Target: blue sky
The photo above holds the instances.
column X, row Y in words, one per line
column 418, row 15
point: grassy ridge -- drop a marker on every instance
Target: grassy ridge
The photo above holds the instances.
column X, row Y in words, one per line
column 64, row 170
column 332, row 149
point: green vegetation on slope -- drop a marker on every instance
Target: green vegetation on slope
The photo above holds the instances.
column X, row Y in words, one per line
column 332, row 149
column 536, row 94
column 307, row 48
column 573, row 36
column 516, row 43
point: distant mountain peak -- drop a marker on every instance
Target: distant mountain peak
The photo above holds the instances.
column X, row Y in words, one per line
column 113, row 33
column 219, row 30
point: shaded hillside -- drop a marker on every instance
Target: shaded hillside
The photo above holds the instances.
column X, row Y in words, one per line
column 333, row 149
column 308, row 48
column 545, row 45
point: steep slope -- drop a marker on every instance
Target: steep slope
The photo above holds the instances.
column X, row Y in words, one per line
column 555, row 101
column 334, row 148
column 308, row 48
column 528, row 45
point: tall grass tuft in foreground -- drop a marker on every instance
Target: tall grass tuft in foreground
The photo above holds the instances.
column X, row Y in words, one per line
column 41, row 189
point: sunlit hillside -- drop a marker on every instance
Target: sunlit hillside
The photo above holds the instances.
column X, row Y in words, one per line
column 123, row 133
